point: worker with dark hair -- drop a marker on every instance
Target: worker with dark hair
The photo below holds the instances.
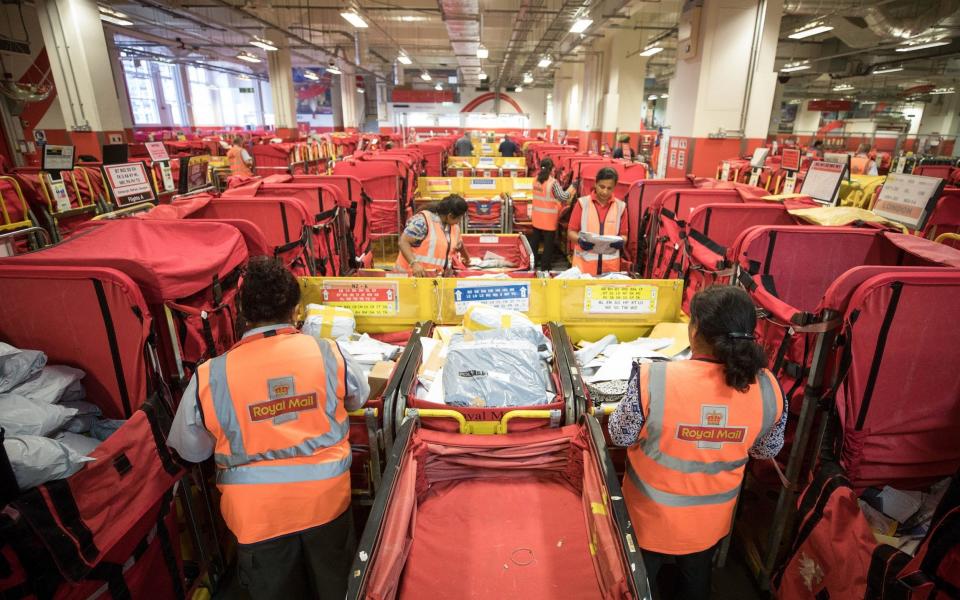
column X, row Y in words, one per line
column 690, row 426
column 623, row 149
column 508, row 147
column 239, row 159
column 431, row 237
column 548, row 199
column 272, row 412
column 598, row 214
column 463, row 146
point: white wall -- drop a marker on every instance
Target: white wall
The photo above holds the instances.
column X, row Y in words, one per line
column 807, row 121
column 533, row 104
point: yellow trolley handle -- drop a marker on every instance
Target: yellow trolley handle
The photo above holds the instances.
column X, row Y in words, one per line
column 362, row 412
column 943, row 237
column 125, row 211
column 606, row 409
column 485, row 427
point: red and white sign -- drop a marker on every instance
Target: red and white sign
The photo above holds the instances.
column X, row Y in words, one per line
column 712, row 431
column 791, row 159
column 822, row 181
column 129, row 183
column 364, row 298
column 908, row 199
column 157, row 151
column 271, row 409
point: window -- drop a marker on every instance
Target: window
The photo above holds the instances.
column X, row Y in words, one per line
column 172, row 95
column 205, row 113
column 143, row 97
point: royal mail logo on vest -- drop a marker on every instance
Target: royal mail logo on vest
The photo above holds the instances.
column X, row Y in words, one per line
column 284, row 403
column 712, row 432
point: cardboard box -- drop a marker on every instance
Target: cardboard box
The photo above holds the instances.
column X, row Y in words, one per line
column 378, row 377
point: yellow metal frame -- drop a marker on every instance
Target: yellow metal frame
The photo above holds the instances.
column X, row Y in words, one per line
column 362, row 412
column 500, row 427
column 133, row 208
column 498, row 161
column 7, row 224
column 943, row 237
column 461, row 185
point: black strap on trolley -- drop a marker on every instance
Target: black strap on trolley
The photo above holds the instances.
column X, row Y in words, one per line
column 114, row 346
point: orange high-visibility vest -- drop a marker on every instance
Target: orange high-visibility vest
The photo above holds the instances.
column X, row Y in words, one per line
column 859, row 165
column 589, row 261
column 435, row 252
column 546, row 208
column 685, row 471
column 235, row 160
column 274, row 404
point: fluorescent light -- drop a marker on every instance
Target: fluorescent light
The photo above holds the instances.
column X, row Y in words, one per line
column 527, row 78
column 482, row 76
column 942, row 91
column 333, row 70
column 354, row 19
column 311, row 76
column 652, row 97
column 652, row 50
column 425, row 76
column 110, row 11
column 117, row 21
column 412, row 18
column 482, row 52
column 883, row 70
column 247, row 57
column 263, row 44
column 580, row 25
column 404, row 59
column 664, row 96
column 361, row 91
column 843, row 87
column 924, row 46
column 544, row 62
column 810, row 30
column 793, row 68
column 519, row 88
column 438, row 87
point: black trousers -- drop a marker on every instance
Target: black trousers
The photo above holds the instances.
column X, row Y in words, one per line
column 544, row 261
column 314, row 563
column 694, row 568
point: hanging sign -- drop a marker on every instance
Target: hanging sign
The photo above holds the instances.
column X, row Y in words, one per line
column 157, row 151
column 822, row 181
column 60, row 197
column 620, row 299
column 507, row 296
column 364, row 298
column 908, row 199
column 129, row 183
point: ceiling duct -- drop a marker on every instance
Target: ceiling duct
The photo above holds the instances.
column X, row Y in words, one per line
column 907, row 20
column 462, row 19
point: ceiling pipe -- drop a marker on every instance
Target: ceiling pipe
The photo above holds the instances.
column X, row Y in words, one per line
column 884, row 22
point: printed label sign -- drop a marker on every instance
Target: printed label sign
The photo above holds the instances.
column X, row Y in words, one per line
column 510, row 296
column 489, row 239
column 789, row 184
column 364, row 298
column 129, row 183
column 901, row 164
column 523, row 184
column 166, row 174
column 437, row 186
column 822, row 181
column 60, row 197
column 271, row 409
column 725, row 171
column 197, row 168
column 907, row 199
column 681, row 159
column 57, row 158
column 791, row 159
column 673, row 158
column 620, row 299
column 157, row 151
column 712, row 431
column 754, row 176
column 485, row 183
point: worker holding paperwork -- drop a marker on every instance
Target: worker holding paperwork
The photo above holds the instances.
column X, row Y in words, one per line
column 598, row 227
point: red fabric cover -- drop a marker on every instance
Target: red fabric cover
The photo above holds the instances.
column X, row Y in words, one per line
column 65, row 301
column 628, row 173
column 833, row 560
column 902, row 442
column 945, row 217
column 511, row 247
column 32, row 188
column 940, row 574
column 484, row 213
column 348, row 195
column 434, row 156
column 167, row 259
column 941, row 171
column 639, row 198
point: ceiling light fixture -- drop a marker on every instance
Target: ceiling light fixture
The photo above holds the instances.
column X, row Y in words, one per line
column 924, row 46
column 311, row 76
column 332, row 68
column 664, row 96
column 117, row 21
column 527, row 78
column 544, row 62
column 811, row 29
column 110, row 11
column 247, row 57
column 939, row 91
column 438, row 87
column 482, row 52
column 580, row 25
column 882, row 70
column 263, row 44
column 425, row 76
column 652, row 97
column 404, row 59
column 354, row 19
column 481, row 76
column 842, row 87
column 361, row 91
column 793, row 68
column 651, row 50
column 518, row 89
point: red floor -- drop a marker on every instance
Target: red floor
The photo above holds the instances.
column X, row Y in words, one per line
column 501, row 538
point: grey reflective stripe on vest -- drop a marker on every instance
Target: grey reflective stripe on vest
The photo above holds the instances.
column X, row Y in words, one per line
column 226, row 415
column 430, row 258
column 284, row 473
column 678, row 500
column 650, row 444
column 585, row 205
column 549, row 211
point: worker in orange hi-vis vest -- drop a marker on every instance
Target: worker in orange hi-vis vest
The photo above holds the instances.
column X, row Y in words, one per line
column 862, row 163
column 431, row 239
column 549, row 199
column 239, row 159
column 598, row 214
column 272, row 412
column 690, row 426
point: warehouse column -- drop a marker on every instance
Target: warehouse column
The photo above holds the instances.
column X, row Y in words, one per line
column 280, row 71
column 722, row 92
column 625, row 74
column 77, row 48
column 348, row 99
column 939, row 124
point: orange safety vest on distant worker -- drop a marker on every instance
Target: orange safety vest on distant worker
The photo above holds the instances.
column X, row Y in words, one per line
column 685, row 471
column 275, row 405
column 235, row 161
column 435, row 252
column 589, row 261
column 859, row 165
column 546, row 208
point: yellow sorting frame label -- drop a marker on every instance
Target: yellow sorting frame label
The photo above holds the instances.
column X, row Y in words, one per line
column 364, row 298
column 620, row 299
